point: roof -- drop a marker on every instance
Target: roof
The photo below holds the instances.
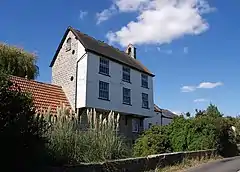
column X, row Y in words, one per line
column 44, row 95
column 166, row 113
column 99, row 47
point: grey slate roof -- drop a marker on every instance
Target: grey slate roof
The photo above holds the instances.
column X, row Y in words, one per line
column 166, row 113
column 98, row 47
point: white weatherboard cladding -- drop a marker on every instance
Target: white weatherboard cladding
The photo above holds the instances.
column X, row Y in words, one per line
column 156, row 120
column 115, row 89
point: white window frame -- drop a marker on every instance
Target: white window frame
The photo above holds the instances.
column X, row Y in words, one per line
column 126, row 74
column 69, row 44
column 126, row 90
column 104, row 66
column 144, row 80
column 103, row 89
column 135, row 125
column 145, row 100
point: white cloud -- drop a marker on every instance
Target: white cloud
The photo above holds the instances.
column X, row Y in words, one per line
column 161, row 21
column 188, row 89
column 185, row 50
column 82, row 14
column 209, row 84
column 200, row 100
column 130, row 5
column 106, row 14
column 203, row 85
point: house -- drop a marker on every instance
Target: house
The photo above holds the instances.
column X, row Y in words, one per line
column 161, row 117
column 88, row 73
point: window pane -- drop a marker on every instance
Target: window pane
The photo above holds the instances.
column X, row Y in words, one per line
column 68, row 47
column 126, row 96
column 104, row 66
column 126, row 74
column 103, row 90
column 135, row 125
column 145, row 100
column 144, row 81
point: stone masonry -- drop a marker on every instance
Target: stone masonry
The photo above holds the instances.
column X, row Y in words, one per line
column 64, row 69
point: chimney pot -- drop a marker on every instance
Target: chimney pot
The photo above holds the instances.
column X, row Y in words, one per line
column 131, row 51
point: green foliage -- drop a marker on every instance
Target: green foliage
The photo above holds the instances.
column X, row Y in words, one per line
column 207, row 130
column 213, row 111
column 98, row 141
column 226, row 141
column 153, row 141
column 22, row 143
column 16, row 61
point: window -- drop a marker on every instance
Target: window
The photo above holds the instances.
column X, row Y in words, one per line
column 126, row 74
column 104, row 66
column 103, row 90
column 69, row 42
column 126, row 96
column 149, row 125
column 145, row 100
column 144, row 81
column 135, row 125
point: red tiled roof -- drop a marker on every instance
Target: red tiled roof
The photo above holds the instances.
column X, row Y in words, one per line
column 44, row 95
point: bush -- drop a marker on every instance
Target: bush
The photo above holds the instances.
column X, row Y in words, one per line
column 22, row 143
column 153, row 141
column 226, row 141
column 98, row 142
column 208, row 130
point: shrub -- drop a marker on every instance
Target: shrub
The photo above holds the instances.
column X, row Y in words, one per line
column 206, row 131
column 226, row 141
column 153, row 141
column 98, row 142
column 22, row 143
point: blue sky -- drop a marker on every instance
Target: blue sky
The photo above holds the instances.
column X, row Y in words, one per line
column 192, row 46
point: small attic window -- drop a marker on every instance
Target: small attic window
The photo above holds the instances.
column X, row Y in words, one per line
column 68, row 47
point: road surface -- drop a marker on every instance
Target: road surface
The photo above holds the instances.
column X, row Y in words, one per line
column 223, row 165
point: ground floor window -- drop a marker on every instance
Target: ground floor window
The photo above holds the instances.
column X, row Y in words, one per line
column 135, row 125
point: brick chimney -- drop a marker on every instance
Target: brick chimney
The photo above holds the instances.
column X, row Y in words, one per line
column 131, row 51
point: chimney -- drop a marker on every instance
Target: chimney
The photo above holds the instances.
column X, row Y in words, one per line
column 131, row 51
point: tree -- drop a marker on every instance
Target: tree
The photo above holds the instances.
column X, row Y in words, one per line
column 22, row 143
column 16, row 61
column 213, row 111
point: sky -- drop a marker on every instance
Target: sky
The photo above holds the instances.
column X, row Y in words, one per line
column 192, row 46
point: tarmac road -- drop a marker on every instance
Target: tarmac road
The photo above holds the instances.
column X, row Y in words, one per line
column 223, row 165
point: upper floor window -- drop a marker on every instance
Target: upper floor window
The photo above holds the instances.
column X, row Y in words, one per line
column 69, row 43
column 144, row 81
column 103, row 90
column 126, row 96
column 126, row 74
column 145, row 103
column 104, row 66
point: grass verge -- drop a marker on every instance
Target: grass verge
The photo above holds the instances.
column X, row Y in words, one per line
column 187, row 163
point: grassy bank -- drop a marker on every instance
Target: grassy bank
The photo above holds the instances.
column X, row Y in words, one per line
column 187, row 163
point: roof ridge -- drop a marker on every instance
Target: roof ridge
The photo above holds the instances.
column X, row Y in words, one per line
column 39, row 82
column 121, row 51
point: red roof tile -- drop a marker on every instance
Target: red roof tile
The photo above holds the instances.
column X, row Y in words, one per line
column 44, row 95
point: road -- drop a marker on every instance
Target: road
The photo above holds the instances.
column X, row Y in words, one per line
column 223, row 165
